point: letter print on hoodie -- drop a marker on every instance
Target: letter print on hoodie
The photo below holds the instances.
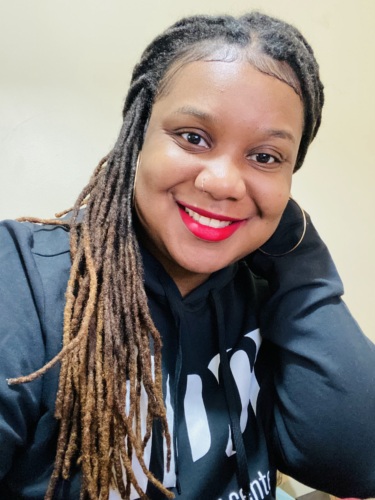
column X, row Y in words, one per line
column 201, row 425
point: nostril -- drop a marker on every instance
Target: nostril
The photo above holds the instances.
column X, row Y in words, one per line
column 221, row 180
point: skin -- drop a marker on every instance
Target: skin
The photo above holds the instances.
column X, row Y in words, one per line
column 223, row 139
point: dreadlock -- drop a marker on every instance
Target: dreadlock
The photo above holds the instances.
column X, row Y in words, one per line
column 111, row 348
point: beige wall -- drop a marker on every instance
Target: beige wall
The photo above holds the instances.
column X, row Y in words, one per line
column 65, row 67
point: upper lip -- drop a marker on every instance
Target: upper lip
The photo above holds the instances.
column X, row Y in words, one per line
column 208, row 214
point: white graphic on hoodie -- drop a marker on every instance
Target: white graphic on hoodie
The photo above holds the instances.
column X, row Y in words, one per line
column 195, row 412
column 196, row 418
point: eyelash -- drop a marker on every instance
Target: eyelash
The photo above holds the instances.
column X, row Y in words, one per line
column 185, row 135
column 271, row 159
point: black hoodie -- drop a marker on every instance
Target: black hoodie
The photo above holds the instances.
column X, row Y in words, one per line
column 273, row 367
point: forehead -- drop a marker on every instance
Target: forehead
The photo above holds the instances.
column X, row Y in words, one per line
column 230, row 89
column 219, row 50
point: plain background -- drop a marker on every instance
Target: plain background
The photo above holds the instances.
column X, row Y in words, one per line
column 65, row 67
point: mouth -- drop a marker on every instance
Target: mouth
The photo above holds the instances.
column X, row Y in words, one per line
column 207, row 221
column 208, row 226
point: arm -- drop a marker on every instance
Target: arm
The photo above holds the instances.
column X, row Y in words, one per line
column 323, row 431
column 21, row 341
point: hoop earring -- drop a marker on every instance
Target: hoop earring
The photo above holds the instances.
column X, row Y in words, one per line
column 286, row 224
column 135, row 176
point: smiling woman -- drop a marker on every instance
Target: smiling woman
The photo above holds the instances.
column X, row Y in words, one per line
column 191, row 343
column 217, row 162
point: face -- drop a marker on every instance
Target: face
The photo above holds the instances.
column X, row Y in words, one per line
column 216, row 167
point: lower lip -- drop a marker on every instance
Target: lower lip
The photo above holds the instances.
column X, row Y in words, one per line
column 208, row 233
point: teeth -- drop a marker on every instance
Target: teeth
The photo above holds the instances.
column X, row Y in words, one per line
column 205, row 221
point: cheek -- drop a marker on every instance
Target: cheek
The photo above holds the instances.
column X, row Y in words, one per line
column 152, row 191
column 272, row 196
column 151, row 177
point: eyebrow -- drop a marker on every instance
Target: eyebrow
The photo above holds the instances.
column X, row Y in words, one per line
column 283, row 134
column 197, row 113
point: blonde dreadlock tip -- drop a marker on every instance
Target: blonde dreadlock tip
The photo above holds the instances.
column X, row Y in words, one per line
column 16, row 381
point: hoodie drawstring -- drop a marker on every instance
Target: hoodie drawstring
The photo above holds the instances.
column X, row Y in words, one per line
column 232, row 399
column 229, row 385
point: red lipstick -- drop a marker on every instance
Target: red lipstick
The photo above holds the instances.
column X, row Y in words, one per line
column 209, row 233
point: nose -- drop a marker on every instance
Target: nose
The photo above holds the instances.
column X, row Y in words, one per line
column 222, row 179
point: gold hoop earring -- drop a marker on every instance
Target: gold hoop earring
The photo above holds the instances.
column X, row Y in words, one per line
column 135, row 176
column 286, row 231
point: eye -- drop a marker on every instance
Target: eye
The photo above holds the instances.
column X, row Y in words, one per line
column 195, row 139
column 264, row 158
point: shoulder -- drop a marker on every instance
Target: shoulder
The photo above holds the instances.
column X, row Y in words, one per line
column 34, row 268
column 26, row 237
column 26, row 246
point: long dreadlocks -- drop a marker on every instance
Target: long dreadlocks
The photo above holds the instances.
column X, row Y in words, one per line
column 109, row 339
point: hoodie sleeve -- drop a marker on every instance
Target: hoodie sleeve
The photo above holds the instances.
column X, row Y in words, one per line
column 323, row 431
column 21, row 340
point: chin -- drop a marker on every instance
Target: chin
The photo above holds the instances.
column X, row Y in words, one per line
column 205, row 266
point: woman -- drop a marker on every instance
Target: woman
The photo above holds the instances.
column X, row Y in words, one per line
column 205, row 344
